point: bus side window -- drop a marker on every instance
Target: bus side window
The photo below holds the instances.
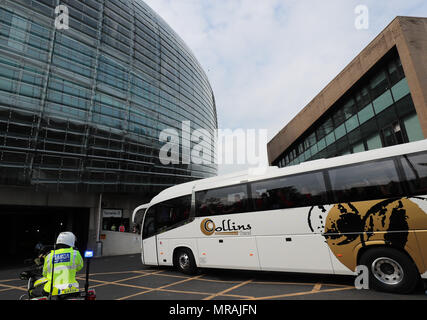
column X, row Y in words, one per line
column 165, row 215
column 229, row 200
column 289, row 192
column 172, row 212
column 374, row 180
column 415, row 168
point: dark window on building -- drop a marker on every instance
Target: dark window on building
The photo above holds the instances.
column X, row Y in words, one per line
column 349, row 108
column 229, row 200
column 378, row 84
column 165, row 215
column 362, row 97
column 289, row 192
column 310, row 141
column 324, row 129
column 371, row 180
column 415, row 167
column 339, row 117
column 392, row 134
column 395, row 71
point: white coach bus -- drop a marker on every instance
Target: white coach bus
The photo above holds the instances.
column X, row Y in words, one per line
column 325, row 216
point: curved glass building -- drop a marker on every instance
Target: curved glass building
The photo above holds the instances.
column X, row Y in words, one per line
column 82, row 108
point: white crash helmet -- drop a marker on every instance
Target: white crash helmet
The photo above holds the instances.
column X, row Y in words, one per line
column 67, row 238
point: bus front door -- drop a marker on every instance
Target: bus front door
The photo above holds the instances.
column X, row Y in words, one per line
column 149, row 239
column 149, row 251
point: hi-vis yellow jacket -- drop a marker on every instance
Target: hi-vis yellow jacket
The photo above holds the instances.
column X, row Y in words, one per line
column 67, row 263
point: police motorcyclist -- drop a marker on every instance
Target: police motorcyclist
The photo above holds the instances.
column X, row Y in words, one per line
column 67, row 262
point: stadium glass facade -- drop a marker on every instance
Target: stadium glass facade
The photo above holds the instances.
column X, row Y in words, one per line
column 82, row 109
column 376, row 112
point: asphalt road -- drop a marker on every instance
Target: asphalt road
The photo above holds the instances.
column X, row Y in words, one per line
column 124, row 278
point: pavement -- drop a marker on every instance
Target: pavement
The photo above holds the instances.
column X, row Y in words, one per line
column 124, row 278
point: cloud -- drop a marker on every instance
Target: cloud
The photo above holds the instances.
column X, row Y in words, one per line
column 267, row 59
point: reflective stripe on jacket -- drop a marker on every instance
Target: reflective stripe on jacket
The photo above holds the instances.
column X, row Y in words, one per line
column 67, row 263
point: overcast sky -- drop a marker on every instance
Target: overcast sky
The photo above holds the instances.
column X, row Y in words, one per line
column 267, row 59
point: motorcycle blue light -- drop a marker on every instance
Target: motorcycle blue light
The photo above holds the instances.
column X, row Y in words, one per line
column 88, row 254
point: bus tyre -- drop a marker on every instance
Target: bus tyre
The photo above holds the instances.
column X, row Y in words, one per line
column 390, row 270
column 184, row 261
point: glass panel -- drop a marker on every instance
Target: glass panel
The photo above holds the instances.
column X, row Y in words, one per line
column 374, row 180
column 228, row 200
column 330, row 138
column 289, row 192
column 395, row 70
column 389, row 138
column 378, row 84
column 339, row 117
column 354, row 136
column 172, row 213
column 307, row 155
column 349, row 109
column 313, row 150
column 400, row 89
column 405, row 106
column 352, row 123
column 374, row 142
column 413, row 128
column 362, row 97
column 340, row 131
column 311, row 140
column 415, row 167
column 383, row 102
column 325, row 128
column 149, row 228
column 366, row 114
column 321, row 145
column 360, row 147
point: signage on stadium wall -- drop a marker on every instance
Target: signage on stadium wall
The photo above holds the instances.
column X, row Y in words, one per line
column 112, row 213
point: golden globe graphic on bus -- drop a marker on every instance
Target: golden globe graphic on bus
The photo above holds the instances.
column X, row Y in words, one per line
column 391, row 222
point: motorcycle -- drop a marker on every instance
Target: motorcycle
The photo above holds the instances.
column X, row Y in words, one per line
column 35, row 279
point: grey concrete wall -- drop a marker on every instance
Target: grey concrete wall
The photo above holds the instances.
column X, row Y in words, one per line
column 120, row 243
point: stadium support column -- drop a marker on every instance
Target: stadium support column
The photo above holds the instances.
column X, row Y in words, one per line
column 98, row 228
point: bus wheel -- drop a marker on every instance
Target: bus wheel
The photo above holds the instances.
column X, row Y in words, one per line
column 184, row 261
column 390, row 270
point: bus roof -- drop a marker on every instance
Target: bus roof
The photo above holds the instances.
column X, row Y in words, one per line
column 272, row 172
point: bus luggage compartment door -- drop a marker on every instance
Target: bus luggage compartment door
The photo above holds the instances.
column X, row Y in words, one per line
column 149, row 251
column 294, row 253
column 229, row 252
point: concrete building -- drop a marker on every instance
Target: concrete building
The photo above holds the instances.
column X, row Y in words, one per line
column 81, row 110
column 378, row 100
